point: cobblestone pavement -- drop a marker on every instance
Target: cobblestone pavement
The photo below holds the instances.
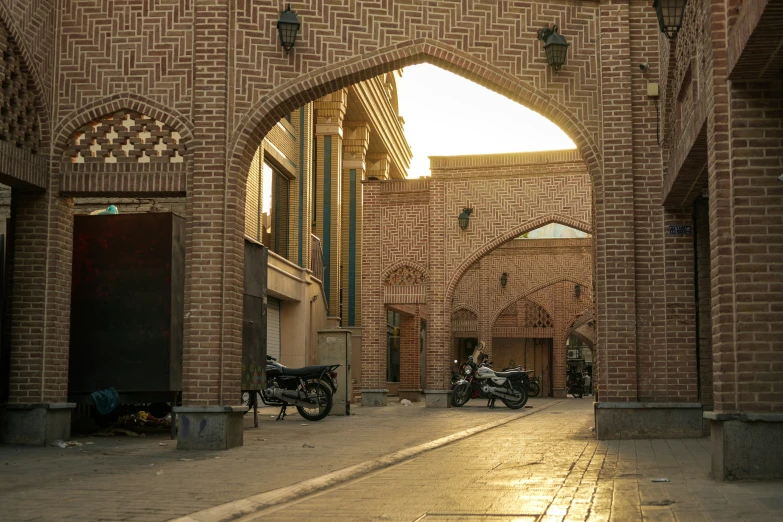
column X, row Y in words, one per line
column 147, row 479
column 545, row 467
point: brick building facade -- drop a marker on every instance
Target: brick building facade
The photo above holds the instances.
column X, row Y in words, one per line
column 213, row 72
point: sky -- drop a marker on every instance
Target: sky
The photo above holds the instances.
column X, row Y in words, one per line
column 447, row 115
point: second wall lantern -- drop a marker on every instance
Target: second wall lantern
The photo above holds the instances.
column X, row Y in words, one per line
column 555, row 46
column 287, row 27
column 464, row 217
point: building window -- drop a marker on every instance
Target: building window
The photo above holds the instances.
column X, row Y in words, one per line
column 275, row 209
column 392, row 346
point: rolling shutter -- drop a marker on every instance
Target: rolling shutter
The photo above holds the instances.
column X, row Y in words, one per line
column 273, row 328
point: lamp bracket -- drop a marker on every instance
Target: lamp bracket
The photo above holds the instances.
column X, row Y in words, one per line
column 546, row 32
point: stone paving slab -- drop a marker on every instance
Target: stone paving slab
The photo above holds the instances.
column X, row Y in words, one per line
column 147, row 479
column 546, row 467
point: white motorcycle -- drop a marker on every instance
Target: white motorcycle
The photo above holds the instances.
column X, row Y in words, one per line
column 488, row 384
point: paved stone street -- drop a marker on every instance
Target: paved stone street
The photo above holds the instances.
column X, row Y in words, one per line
column 547, row 463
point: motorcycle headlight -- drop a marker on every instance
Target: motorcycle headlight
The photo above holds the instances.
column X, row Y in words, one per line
column 468, row 369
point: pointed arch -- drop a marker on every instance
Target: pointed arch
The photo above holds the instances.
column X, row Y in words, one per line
column 400, row 264
column 505, row 238
column 528, row 293
column 266, row 112
column 97, row 109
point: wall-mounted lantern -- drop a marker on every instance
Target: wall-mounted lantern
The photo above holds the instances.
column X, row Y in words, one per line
column 670, row 14
column 288, row 26
column 577, row 291
column 464, row 217
column 555, row 46
column 503, row 279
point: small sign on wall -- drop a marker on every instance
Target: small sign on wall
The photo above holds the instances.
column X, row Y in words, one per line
column 680, row 230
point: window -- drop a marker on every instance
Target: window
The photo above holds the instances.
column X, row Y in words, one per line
column 275, row 205
column 392, row 346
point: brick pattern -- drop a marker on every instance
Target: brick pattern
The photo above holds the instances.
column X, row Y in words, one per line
column 40, row 298
column 126, row 137
column 19, row 122
column 123, row 179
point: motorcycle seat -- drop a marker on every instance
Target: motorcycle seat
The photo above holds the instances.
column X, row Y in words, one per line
column 512, row 373
column 303, row 372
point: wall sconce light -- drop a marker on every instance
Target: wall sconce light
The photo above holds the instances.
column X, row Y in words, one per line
column 288, row 26
column 555, row 46
column 464, row 217
column 503, row 279
column 670, row 14
column 577, row 291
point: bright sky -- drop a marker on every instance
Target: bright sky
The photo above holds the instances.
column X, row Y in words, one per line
column 447, row 115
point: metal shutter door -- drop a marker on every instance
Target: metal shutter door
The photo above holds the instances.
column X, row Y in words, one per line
column 273, row 328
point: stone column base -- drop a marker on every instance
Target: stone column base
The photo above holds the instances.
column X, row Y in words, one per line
column 411, row 395
column 437, row 398
column 36, row 424
column 746, row 445
column 374, row 397
column 209, row 427
column 648, row 420
column 559, row 393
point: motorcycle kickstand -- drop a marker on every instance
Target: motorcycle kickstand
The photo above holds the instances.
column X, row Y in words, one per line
column 281, row 415
column 491, row 404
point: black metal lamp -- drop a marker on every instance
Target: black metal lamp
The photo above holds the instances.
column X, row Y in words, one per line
column 555, row 46
column 288, row 26
column 464, row 217
column 577, row 291
column 670, row 14
column 503, row 279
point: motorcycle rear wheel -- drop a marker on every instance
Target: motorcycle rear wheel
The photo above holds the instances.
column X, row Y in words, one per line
column 533, row 389
column 460, row 395
column 515, row 405
column 325, row 400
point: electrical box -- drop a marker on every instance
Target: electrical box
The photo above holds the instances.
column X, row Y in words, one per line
column 652, row 89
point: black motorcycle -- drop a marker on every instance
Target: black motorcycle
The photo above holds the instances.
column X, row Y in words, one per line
column 310, row 389
column 532, row 386
column 575, row 385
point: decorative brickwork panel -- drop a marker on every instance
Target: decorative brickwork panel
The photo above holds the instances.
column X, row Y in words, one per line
column 404, row 229
column 464, row 321
column 18, row 112
column 142, row 48
column 126, row 137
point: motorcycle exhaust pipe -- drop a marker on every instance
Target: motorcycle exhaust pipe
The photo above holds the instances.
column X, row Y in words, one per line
column 290, row 397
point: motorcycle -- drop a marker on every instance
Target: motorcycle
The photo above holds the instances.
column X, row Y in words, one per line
column 575, row 385
column 481, row 380
column 310, row 389
column 532, row 386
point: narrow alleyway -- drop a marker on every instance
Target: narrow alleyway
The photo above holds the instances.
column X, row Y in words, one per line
column 546, row 465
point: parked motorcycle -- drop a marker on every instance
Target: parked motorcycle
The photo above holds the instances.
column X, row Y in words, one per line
column 575, row 385
column 481, row 380
column 532, row 386
column 310, row 389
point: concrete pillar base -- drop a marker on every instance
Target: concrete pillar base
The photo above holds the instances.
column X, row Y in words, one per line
column 209, row 427
column 374, row 397
column 746, row 445
column 437, row 398
column 559, row 393
column 648, row 420
column 36, row 424
column 411, row 395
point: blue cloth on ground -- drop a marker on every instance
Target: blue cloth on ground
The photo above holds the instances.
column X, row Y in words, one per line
column 106, row 400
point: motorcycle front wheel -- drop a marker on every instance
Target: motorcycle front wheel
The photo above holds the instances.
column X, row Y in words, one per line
column 533, row 389
column 460, row 395
column 515, row 405
column 323, row 392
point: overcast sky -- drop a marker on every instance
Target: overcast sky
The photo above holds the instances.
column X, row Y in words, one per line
column 446, row 115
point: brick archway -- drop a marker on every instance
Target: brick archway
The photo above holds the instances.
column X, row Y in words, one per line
column 291, row 95
column 505, row 238
column 532, row 291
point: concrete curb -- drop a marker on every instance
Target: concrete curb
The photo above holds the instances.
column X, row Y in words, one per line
column 232, row 511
